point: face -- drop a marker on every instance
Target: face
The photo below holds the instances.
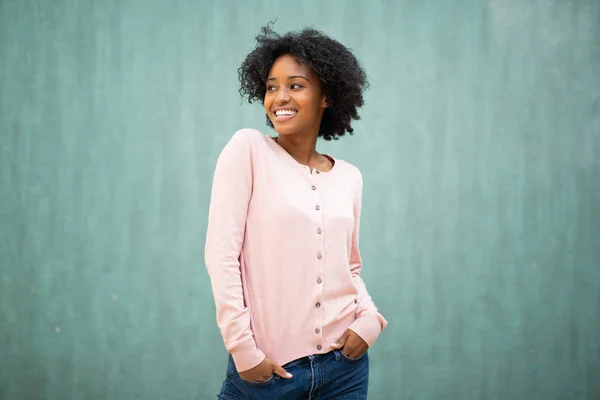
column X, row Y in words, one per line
column 294, row 100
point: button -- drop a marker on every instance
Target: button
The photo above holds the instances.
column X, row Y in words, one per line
column 317, row 331
column 319, row 280
column 314, row 187
column 317, row 207
column 318, row 305
column 319, row 256
column 319, row 231
column 319, row 347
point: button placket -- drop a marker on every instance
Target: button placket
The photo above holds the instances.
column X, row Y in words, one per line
column 319, row 231
column 319, row 258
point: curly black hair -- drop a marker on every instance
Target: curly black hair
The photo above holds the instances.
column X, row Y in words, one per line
column 341, row 74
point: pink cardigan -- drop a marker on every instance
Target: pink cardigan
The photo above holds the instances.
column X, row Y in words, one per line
column 282, row 254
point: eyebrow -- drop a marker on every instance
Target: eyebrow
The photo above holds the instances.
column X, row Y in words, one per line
column 290, row 77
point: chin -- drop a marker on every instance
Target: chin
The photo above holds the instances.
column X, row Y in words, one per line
column 284, row 130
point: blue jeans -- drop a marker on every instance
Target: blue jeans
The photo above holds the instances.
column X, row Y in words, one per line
column 316, row 377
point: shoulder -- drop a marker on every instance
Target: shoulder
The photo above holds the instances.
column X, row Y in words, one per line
column 243, row 141
column 247, row 136
column 350, row 170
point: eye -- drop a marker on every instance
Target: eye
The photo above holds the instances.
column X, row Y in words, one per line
column 270, row 88
column 296, row 86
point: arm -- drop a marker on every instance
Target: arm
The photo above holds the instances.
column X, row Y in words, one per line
column 369, row 322
column 230, row 196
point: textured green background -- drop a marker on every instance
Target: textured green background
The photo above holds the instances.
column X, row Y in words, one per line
column 479, row 146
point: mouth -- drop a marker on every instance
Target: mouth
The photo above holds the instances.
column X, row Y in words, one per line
column 284, row 115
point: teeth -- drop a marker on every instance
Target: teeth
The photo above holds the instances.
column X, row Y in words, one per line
column 281, row 113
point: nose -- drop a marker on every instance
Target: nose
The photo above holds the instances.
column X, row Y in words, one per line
column 282, row 97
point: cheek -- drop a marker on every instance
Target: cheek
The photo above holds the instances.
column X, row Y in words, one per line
column 267, row 104
column 310, row 104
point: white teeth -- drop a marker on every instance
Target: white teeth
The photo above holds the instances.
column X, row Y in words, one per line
column 281, row 113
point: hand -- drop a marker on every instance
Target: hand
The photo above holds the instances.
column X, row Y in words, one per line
column 264, row 371
column 352, row 345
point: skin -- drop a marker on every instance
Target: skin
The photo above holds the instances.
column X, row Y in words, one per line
column 296, row 86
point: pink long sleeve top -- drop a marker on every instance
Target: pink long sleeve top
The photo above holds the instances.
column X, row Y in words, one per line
column 282, row 254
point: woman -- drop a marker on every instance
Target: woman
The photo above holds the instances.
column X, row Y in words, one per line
column 282, row 241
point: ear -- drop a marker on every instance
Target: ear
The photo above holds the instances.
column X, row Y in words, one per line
column 325, row 102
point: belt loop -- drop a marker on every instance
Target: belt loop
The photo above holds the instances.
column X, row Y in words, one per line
column 336, row 353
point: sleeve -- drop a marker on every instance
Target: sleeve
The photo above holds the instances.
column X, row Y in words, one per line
column 369, row 322
column 230, row 196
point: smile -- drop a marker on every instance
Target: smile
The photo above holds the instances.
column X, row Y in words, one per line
column 284, row 115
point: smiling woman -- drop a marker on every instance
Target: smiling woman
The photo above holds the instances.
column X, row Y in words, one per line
column 282, row 240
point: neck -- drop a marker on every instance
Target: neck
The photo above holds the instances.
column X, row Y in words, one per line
column 303, row 149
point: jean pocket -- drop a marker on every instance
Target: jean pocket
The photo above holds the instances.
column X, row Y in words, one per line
column 263, row 383
column 351, row 359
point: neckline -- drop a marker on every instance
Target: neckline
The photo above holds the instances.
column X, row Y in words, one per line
column 280, row 149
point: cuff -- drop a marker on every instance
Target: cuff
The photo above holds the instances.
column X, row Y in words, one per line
column 247, row 357
column 368, row 327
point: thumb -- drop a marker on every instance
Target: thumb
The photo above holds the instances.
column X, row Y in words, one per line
column 279, row 370
column 341, row 341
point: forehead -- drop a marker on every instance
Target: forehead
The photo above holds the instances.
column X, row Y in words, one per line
column 288, row 65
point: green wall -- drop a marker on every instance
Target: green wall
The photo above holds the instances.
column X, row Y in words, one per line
column 480, row 149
